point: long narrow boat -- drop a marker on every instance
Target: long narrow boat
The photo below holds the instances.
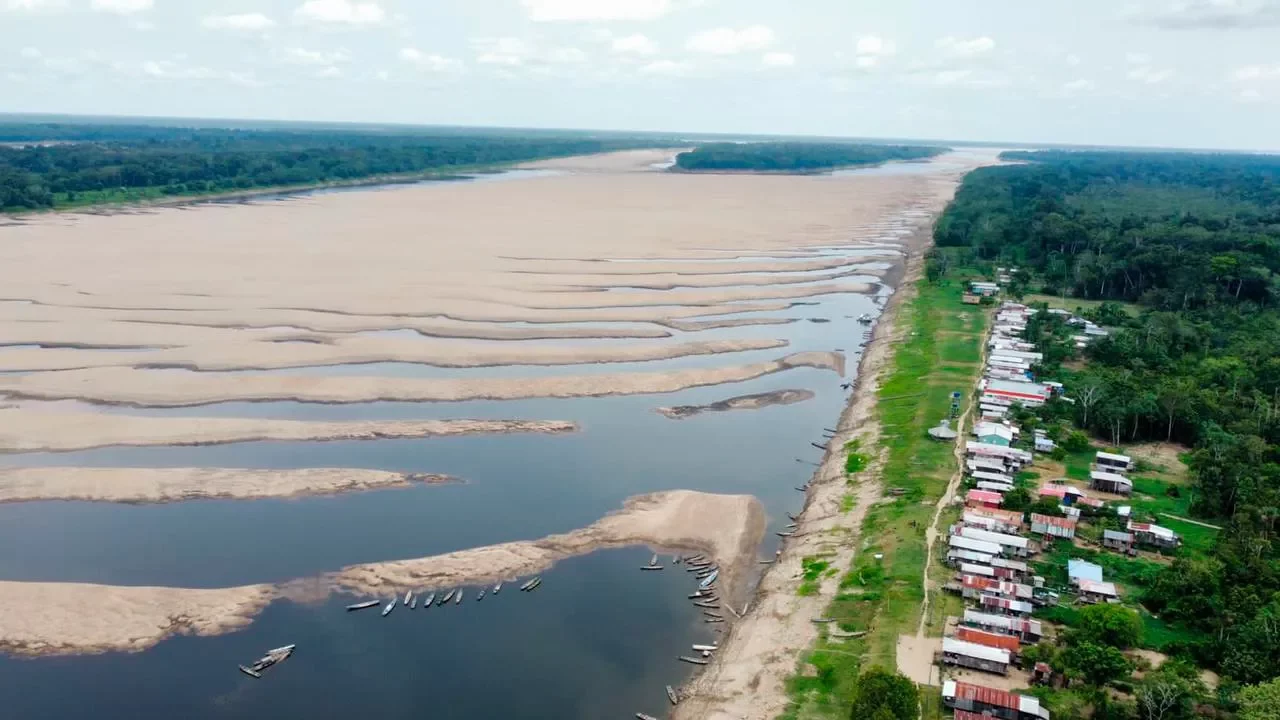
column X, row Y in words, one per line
column 642, row 716
column 650, row 567
column 528, row 584
column 430, row 599
column 708, row 613
column 695, row 661
column 706, row 648
column 480, row 596
column 447, row 597
column 537, row 582
column 497, row 588
column 363, row 605
column 413, row 603
column 457, row 599
column 709, row 580
column 390, row 606
column 708, row 605
column 671, row 695
column 251, row 673
column 408, row 595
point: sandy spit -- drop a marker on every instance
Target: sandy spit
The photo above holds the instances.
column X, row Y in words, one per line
column 244, row 352
column 179, row 388
column 24, row 430
column 742, row 402
column 699, row 325
column 164, row 485
column 49, row 618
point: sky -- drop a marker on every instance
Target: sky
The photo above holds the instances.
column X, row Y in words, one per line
column 1172, row 73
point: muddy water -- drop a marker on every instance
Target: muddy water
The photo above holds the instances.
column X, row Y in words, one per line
column 599, row 639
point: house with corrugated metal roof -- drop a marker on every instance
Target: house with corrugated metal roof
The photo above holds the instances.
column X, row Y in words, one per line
column 967, row 697
column 1025, row 629
column 1117, row 540
column 1098, row 592
column 1050, row 526
column 1154, row 535
column 975, row 656
column 1110, row 482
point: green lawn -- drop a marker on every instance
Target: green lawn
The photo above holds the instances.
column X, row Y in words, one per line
column 1075, row 304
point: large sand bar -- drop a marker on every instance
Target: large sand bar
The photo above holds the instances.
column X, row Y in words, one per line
column 49, row 618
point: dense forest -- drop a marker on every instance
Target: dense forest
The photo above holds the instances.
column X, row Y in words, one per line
column 1184, row 252
column 57, row 165
column 795, row 157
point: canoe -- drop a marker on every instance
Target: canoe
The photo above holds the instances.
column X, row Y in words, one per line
column 251, row 673
column 447, row 597
column 363, row 605
column 706, row 648
column 480, row 596
column 457, row 599
column 671, row 695
column 709, row 580
column 430, row 599
column 650, row 567
column 497, row 588
column 390, row 606
column 695, row 661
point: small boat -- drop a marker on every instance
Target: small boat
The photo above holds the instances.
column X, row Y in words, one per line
column 803, row 489
column 408, row 595
column 709, row 580
column 363, row 605
column 480, row 596
column 430, row 599
column 413, row 603
column 785, row 534
column 497, row 588
column 457, row 599
column 390, row 606
column 448, row 596
column 272, row 657
column 537, row 582
column 251, row 673
column 642, row 716
column 653, row 560
column 865, row 319
column 708, row 605
column 528, row 585
column 696, row 594
column 695, row 661
column 706, row 648
column 714, row 620
column 650, row 567
column 792, row 518
column 671, row 695
column 708, row 613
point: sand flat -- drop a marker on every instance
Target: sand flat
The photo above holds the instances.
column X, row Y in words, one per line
column 163, row 485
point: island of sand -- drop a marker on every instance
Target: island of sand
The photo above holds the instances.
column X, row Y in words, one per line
column 165, row 485
column 49, row 618
column 741, row 402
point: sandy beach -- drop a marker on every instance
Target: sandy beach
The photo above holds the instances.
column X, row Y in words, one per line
column 49, row 618
column 162, row 485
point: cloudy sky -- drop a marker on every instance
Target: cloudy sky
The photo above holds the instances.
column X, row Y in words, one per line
column 1199, row 73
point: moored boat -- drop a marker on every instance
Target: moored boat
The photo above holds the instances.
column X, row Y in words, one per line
column 480, row 596
column 447, row 597
column 457, row 599
column 430, row 599
column 709, row 580
column 671, row 695
column 390, row 606
column 497, row 588
column 363, row 605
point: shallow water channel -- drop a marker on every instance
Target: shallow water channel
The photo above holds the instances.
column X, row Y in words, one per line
column 599, row 639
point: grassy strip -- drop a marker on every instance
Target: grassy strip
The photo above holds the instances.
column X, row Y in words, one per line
column 882, row 597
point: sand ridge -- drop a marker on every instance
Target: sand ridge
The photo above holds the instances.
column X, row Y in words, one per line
column 115, row 385
column 52, row 618
column 163, row 485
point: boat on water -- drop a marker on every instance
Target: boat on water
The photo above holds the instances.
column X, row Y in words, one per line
column 413, row 603
column 709, row 580
column 480, row 596
column 671, row 695
column 272, row 657
column 497, row 588
column 430, row 599
column 695, row 661
column 537, row 582
column 390, row 606
column 706, row 648
column 447, row 597
column 642, row 716
column 650, row 567
column 865, row 319
column 457, row 599
column 363, row 605
column 408, row 595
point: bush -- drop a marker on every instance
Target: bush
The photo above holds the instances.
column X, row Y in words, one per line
column 1113, row 625
column 886, row 695
column 1076, row 442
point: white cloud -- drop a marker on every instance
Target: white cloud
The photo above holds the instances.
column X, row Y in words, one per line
column 951, row 77
column 429, row 62
column 1077, row 86
column 1149, row 75
column 1250, row 95
column 566, row 56
column 122, row 7
column 664, row 67
column 32, row 6
column 340, row 12
column 1256, row 72
column 245, row 22
column 1073, row 60
column 874, row 45
column 31, row 53
column 727, row 41
column 1216, row 15
column 329, row 72
column 595, row 10
column 1135, row 58
column 303, row 56
column 173, row 70
column 636, row 44
column 507, row 51
column 960, row 48
column 778, row 59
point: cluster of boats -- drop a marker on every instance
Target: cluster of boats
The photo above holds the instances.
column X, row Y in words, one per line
column 410, row 600
column 255, row 669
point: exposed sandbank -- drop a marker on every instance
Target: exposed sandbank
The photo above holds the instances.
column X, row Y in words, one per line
column 49, row 618
column 164, row 485
column 154, row 388
column 25, row 430
column 742, row 402
column 247, row 353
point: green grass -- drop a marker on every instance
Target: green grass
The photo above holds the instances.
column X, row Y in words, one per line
column 1076, row 304
column 938, row 354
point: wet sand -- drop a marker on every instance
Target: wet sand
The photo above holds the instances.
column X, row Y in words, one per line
column 177, row 389
column 162, row 485
column 23, row 430
column 49, row 618
column 742, row 402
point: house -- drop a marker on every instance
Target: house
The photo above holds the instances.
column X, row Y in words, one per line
column 1027, row 393
column 1011, row 519
column 1013, row 544
column 994, row 433
column 957, row 558
column 970, row 299
column 1118, row 541
column 990, row 476
column 1066, row 493
column 957, row 542
column 1078, row 570
column 1096, row 592
column 984, row 289
column 1112, row 462
column 1025, row 629
column 1044, row 444
column 996, row 640
column 1053, row 526
column 994, row 521
column 967, row 697
column 1154, row 535
column 973, row 655
column 1110, row 482
column 1011, row 456
column 1008, row 606
column 1015, row 566
column 989, row 464
column 998, row 487
column 975, row 587
column 983, row 498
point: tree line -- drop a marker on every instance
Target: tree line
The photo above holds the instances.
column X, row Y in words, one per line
column 67, row 166
column 1184, row 250
column 795, row 157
